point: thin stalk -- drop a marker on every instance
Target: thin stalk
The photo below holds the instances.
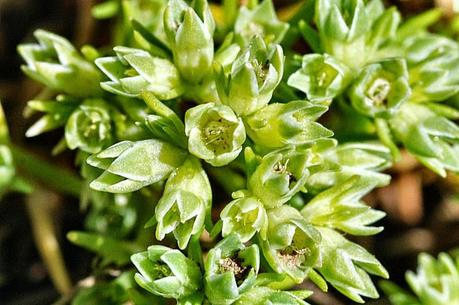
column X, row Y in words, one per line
column 51, row 175
column 39, row 207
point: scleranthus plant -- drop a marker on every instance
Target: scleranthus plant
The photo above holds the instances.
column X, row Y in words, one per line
column 190, row 103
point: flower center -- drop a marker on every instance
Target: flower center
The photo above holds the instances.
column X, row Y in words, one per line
column 379, row 91
column 216, row 134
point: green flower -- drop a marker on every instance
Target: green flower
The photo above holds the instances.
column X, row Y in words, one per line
column 250, row 83
column 231, row 269
column 133, row 71
column 352, row 30
column 244, row 216
column 265, row 295
column 55, row 63
column 259, row 21
column 186, row 199
column 167, row 272
column 279, row 175
column 89, row 127
column 277, row 125
column 190, row 34
column 435, row 282
column 292, row 245
column 321, row 77
column 341, row 162
column 433, row 67
column 341, row 207
column 346, row 265
column 129, row 166
column 381, row 88
column 215, row 133
column 431, row 138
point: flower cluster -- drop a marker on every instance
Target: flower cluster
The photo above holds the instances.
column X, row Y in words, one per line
column 188, row 104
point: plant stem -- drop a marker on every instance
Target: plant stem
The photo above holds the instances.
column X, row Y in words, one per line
column 39, row 206
column 51, row 175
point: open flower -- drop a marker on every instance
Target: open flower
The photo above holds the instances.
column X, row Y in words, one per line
column 381, row 88
column 57, row 64
column 244, row 216
column 231, row 269
column 190, row 34
column 279, row 175
column 321, row 77
column 215, row 133
column 183, row 206
column 250, row 83
column 167, row 272
column 292, row 245
column 89, row 126
column 292, row 123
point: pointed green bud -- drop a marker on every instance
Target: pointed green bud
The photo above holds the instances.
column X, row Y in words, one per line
column 89, row 127
column 250, row 83
column 433, row 67
column 321, row 77
column 134, row 71
column 55, row 63
column 129, row 166
column 434, row 282
column 265, row 295
column 167, row 272
column 190, row 34
column 292, row 245
column 7, row 170
column 182, row 208
column 231, row 269
column 341, row 207
column 431, row 138
column 339, row 163
column 259, row 21
column 293, row 123
column 346, row 265
column 279, row 175
column 215, row 133
column 244, row 216
column 381, row 88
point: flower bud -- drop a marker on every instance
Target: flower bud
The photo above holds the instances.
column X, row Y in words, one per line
column 166, row 272
column 190, row 34
column 341, row 207
column 321, row 77
column 244, row 216
column 259, row 21
column 89, row 127
column 381, row 88
column 55, row 63
column 129, row 166
column 278, row 125
column 250, row 83
column 292, row 245
column 279, row 175
column 133, row 71
column 431, row 138
column 231, row 269
column 215, row 133
column 182, row 208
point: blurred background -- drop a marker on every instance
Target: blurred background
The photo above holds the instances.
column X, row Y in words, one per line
column 423, row 210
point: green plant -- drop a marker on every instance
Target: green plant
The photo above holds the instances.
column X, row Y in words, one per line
column 188, row 105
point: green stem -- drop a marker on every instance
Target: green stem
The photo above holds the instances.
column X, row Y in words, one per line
column 51, row 175
column 228, row 179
